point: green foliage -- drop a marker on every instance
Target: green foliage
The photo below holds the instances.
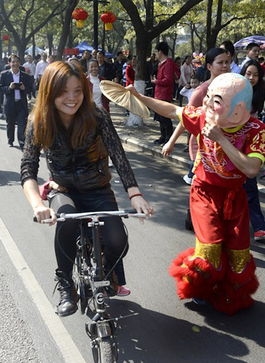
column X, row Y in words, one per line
column 27, row 15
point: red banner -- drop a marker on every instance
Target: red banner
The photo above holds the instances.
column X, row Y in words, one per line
column 71, row 51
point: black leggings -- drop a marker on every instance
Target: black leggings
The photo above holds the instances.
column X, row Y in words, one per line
column 114, row 237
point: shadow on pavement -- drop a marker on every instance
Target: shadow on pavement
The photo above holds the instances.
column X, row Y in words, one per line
column 152, row 337
column 10, row 178
column 247, row 323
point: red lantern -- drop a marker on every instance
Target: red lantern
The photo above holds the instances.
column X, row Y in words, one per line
column 5, row 37
column 80, row 15
column 108, row 18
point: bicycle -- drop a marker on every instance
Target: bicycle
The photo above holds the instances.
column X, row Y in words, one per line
column 92, row 285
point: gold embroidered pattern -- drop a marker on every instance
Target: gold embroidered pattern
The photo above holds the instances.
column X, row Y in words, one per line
column 238, row 259
column 209, row 252
column 258, row 144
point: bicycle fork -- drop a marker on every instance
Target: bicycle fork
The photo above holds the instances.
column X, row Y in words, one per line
column 101, row 326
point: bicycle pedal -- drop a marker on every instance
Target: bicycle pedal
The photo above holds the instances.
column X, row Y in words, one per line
column 101, row 283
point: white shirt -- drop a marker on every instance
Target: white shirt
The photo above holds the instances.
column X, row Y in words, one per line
column 187, row 92
column 244, row 61
column 97, row 94
column 40, row 68
column 30, row 68
column 234, row 68
column 16, row 80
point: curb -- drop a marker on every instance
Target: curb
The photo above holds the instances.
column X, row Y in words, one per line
column 154, row 151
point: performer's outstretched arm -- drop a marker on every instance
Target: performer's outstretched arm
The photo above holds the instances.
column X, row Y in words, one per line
column 163, row 108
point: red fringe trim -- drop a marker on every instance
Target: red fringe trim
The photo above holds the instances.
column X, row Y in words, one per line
column 234, row 292
column 194, row 277
column 226, row 298
column 225, row 289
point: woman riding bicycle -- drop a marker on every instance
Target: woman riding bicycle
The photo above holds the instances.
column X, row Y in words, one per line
column 76, row 138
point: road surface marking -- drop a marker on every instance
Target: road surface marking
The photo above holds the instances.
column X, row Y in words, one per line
column 59, row 333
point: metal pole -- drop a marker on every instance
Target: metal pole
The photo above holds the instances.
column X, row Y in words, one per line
column 95, row 13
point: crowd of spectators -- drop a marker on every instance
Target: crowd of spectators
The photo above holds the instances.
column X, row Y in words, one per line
column 122, row 68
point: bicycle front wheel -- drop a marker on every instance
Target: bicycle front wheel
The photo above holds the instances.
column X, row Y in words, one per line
column 105, row 351
column 80, row 283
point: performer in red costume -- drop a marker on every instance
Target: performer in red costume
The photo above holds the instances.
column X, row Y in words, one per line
column 220, row 269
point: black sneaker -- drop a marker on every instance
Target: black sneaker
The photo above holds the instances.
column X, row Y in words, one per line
column 159, row 141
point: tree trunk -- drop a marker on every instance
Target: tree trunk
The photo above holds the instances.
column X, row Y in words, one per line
column 21, row 49
column 1, row 49
column 192, row 37
column 211, row 41
column 66, row 27
column 50, row 42
column 209, row 24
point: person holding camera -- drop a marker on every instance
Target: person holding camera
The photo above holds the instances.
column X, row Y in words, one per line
column 15, row 85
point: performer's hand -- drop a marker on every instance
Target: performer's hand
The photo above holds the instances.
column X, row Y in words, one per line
column 132, row 90
column 213, row 132
column 167, row 148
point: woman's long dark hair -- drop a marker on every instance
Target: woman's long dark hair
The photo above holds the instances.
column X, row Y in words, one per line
column 259, row 88
column 210, row 56
column 45, row 117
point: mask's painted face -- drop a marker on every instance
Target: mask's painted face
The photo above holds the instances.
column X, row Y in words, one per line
column 228, row 101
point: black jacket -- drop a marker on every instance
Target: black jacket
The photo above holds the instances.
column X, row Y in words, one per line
column 6, row 77
column 84, row 168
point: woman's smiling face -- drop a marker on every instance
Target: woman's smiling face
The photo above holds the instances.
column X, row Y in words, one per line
column 70, row 100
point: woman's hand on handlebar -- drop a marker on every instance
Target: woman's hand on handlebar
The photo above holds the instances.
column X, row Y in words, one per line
column 42, row 213
column 142, row 206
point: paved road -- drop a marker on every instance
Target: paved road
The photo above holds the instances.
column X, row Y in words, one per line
column 165, row 331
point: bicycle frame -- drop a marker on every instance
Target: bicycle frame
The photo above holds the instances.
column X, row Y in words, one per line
column 90, row 275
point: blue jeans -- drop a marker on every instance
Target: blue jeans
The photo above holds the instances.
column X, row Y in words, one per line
column 115, row 240
column 255, row 213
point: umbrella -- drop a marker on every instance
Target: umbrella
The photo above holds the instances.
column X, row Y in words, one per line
column 37, row 50
column 242, row 43
column 84, row 46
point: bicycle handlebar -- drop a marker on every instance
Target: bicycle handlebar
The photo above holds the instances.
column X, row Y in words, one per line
column 61, row 217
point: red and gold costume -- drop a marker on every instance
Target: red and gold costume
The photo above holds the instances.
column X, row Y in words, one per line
column 220, row 269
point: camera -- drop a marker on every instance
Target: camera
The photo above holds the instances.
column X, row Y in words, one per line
column 17, row 85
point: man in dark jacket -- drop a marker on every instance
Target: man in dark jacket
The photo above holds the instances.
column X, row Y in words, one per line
column 86, row 56
column 15, row 84
column 118, row 64
column 106, row 69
